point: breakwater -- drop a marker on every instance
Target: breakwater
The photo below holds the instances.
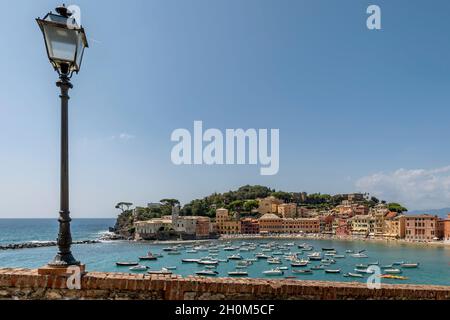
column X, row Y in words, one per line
column 27, row 284
column 43, row 244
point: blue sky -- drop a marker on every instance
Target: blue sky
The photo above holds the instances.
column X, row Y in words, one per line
column 357, row 110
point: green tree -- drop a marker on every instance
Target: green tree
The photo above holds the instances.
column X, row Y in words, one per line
column 395, row 207
column 249, row 205
column 124, row 206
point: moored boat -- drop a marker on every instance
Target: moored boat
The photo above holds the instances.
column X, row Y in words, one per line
column 410, row 265
column 353, row 275
column 139, row 268
column 209, row 273
column 238, row 273
column 333, row 271
column 392, row 271
column 274, row 272
column 127, row 264
column 163, row 271
column 235, row 257
column 190, row 260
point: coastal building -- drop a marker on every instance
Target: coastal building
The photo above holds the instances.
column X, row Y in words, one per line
column 149, row 229
column 268, row 205
column 421, row 227
column 301, row 225
column 363, row 225
column 225, row 223
column 287, row 210
column 326, row 224
column 249, row 226
column 394, row 226
column 447, row 228
column 270, row 223
column 342, row 227
column 304, row 212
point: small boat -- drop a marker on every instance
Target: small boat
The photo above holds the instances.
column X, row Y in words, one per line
column 230, row 249
column 392, row 271
column 209, row 273
column 316, row 256
column 238, row 273
column 211, row 267
column 359, row 255
column 139, row 268
column 190, row 260
column 308, row 249
column 307, row 271
column 410, row 265
column 174, row 253
column 390, row 276
column 328, row 249
column 169, row 249
column 366, row 271
column 283, row 268
column 328, row 261
column 170, row 268
column 274, row 261
column 388, row 266
column 349, row 251
column 208, row 262
column 299, row 263
column 353, row 275
column 148, row 258
column 127, row 264
column 235, row 257
column 362, row 266
column 163, row 271
column 262, row 256
column 339, row 256
column 334, row 271
column 251, row 260
column 290, row 277
column 274, row 272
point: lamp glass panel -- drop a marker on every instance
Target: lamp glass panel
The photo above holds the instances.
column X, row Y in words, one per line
column 61, row 43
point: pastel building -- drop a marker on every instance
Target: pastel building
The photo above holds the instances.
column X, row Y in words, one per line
column 268, row 205
column 446, row 236
column 287, row 210
column 270, row 223
column 249, row 226
column 301, row 225
column 421, row 227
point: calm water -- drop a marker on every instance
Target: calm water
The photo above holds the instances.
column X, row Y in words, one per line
column 434, row 261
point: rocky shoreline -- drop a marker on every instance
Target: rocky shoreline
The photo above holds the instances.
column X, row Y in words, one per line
column 31, row 245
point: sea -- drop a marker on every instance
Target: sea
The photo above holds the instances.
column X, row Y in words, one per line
column 434, row 268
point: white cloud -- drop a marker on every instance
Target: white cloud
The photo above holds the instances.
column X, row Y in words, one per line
column 417, row 189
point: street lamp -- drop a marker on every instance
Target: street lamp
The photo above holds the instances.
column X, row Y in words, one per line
column 65, row 42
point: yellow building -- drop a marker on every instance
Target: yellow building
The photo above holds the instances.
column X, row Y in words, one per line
column 225, row 224
column 268, row 205
column 287, row 210
column 395, row 227
column 301, row 225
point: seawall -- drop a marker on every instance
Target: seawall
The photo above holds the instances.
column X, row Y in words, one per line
column 28, row 284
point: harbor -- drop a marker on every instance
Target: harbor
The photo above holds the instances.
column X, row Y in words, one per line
column 325, row 260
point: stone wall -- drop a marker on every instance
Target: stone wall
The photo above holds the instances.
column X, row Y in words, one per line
column 28, row 284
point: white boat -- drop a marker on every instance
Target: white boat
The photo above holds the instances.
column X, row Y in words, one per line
column 274, row 261
column 174, row 253
column 398, row 263
column 353, row 275
column 388, row 266
column 208, row 262
column 299, row 263
column 339, row 256
column 190, row 260
column 238, row 273
column 333, row 271
column 274, row 272
column 171, row 268
column 163, row 271
column 235, row 257
column 392, row 271
column 410, row 265
column 316, row 256
column 139, row 268
column 366, row 271
column 262, row 256
column 230, row 249
column 359, row 255
column 349, row 251
column 283, row 268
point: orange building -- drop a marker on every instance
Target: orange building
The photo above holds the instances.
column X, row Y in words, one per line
column 249, row 226
column 421, row 227
column 447, row 228
column 301, row 225
column 270, row 223
column 203, row 227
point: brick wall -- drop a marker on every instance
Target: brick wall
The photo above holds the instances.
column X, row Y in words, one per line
column 27, row 284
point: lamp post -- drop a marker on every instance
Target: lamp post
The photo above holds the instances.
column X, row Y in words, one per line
column 65, row 42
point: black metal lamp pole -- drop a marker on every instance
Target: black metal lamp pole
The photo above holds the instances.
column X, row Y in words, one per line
column 64, row 256
column 65, row 41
